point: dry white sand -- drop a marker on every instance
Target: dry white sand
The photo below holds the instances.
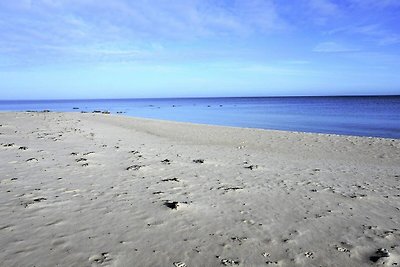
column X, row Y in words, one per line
column 100, row 190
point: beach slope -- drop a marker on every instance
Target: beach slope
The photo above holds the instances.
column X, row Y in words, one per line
column 102, row 190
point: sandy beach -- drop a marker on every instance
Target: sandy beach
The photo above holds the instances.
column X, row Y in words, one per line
column 104, row 190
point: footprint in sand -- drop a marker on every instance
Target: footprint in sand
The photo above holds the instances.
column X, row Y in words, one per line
column 229, row 262
column 345, row 248
column 166, row 161
column 309, row 254
column 30, row 202
column 239, row 240
column 170, row 180
column 180, row 264
column 172, row 204
column 80, row 160
column 8, row 145
column 251, row 167
column 100, row 258
column 230, row 188
column 134, row 167
column 265, row 254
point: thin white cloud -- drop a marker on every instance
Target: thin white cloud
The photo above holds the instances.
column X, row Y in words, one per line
column 333, row 47
column 372, row 4
column 51, row 29
column 297, row 62
column 381, row 35
column 324, row 7
column 183, row 19
column 15, row 5
column 390, row 40
column 144, row 19
column 83, row 30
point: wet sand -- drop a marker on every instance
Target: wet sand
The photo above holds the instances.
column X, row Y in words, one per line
column 103, row 190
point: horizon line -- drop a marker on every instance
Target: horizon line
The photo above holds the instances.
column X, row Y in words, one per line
column 199, row 97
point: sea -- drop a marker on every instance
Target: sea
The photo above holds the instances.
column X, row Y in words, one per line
column 372, row 116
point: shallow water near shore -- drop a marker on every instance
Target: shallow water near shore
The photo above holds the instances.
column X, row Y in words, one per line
column 376, row 116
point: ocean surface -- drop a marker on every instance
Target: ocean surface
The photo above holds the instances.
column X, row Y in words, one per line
column 377, row 116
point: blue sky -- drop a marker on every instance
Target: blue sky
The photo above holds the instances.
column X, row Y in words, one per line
column 183, row 48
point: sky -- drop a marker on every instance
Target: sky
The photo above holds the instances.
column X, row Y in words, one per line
column 77, row 49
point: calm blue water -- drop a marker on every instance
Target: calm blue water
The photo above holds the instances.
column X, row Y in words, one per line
column 363, row 116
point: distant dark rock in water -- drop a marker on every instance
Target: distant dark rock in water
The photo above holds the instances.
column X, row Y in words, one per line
column 75, row 108
column 83, row 111
column 120, row 112
column 102, row 112
column 198, row 161
column 35, row 111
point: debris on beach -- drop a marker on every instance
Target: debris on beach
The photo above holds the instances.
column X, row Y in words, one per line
column 134, row 167
column 380, row 253
column 251, row 167
column 172, row 204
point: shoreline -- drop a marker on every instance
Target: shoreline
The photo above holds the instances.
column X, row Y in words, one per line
column 121, row 115
column 107, row 190
column 361, row 116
